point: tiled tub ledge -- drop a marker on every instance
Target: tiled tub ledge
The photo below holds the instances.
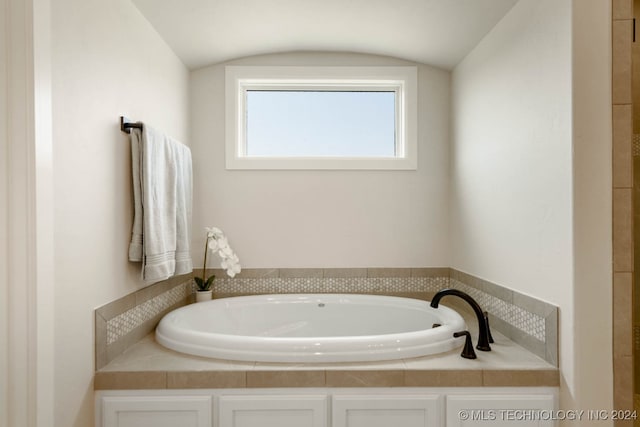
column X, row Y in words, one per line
column 526, row 321
column 147, row 365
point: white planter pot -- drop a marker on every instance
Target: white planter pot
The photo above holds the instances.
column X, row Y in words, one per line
column 203, row 295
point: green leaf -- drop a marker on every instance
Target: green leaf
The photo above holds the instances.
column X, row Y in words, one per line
column 210, row 280
column 200, row 284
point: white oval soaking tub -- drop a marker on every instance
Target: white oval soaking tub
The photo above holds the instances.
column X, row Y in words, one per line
column 311, row 328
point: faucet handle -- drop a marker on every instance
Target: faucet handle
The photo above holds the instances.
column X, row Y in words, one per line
column 486, row 321
column 467, row 350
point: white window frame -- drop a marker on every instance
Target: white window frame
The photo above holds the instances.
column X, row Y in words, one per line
column 402, row 80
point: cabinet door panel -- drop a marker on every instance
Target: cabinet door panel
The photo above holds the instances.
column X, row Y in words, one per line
column 273, row 411
column 500, row 410
column 386, row 411
column 156, row 411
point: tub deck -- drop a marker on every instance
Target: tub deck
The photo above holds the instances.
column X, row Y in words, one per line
column 148, row 365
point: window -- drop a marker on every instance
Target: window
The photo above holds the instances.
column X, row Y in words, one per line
column 321, row 117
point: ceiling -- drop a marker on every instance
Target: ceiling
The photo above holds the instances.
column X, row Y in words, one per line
column 436, row 32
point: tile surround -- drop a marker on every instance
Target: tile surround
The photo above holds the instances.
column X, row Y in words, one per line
column 527, row 321
column 623, row 56
column 636, row 144
column 157, row 367
column 343, row 378
column 126, row 322
column 123, row 322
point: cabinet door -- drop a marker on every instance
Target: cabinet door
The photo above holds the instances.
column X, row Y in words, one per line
column 500, row 410
column 386, row 411
column 273, row 411
column 156, row 411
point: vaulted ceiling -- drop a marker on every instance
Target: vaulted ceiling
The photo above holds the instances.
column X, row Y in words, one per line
column 436, row 32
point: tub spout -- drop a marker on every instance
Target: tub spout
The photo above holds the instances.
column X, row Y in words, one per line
column 483, row 338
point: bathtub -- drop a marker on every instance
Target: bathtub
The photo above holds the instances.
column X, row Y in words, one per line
column 311, row 328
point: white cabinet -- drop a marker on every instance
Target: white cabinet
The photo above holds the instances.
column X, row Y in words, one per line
column 273, row 411
column 500, row 410
column 386, row 410
column 329, row 407
column 156, row 411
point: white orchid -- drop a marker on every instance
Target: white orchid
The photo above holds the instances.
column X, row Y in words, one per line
column 214, row 232
column 217, row 241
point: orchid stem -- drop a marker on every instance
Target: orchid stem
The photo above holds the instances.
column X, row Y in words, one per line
column 204, row 265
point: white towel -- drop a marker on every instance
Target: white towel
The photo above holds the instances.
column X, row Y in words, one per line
column 162, row 192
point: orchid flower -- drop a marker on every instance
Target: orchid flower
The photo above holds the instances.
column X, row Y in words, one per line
column 217, row 241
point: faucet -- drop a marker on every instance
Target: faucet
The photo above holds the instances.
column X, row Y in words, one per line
column 483, row 338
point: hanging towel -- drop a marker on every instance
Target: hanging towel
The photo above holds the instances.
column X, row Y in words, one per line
column 162, row 193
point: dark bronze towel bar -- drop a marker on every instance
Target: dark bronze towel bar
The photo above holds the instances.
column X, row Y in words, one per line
column 126, row 124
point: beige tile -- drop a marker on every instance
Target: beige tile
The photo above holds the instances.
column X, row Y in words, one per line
column 430, row 272
column 521, row 378
column 218, row 272
column 622, row 313
column 218, row 295
column 623, row 382
column 622, row 39
column 206, row 379
column 388, row 272
column 505, row 294
column 301, row 272
column 505, row 354
column 119, row 306
column 148, row 355
column 622, row 230
column 344, row 272
column 424, row 296
column 533, row 305
column 327, row 366
column 100, row 342
column 250, row 273
column 551, row 338
column 132, row 338
column 530, row 342
column 622, row 146
column 115, row 349
column 622, row 9
column 287, row 378
column 443, row 378
column 153, row 291
column 466, row 278
column 364, row 378
column 130, row 380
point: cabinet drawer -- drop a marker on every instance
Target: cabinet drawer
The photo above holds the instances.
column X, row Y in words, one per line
column 273, row 411
column 387, row 410
column 156, row 411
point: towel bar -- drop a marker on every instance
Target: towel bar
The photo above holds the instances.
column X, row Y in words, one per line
column 127, row 124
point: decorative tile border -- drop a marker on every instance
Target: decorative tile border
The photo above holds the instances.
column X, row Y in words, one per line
column 330, row 285
column 525, row 320
column 528, row 321
column 123, row 322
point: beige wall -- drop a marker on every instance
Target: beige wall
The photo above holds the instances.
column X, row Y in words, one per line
column 107, row 62
column 591, row 332
column 4, row 197
column 324, row 218
column 522, row 217
column 511, row 145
